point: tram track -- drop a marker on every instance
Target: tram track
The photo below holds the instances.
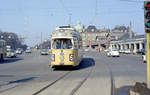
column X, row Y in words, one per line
column 81, row 83
column 14, row 85
column 112, row 78
column 74, row 90
column 47, row 86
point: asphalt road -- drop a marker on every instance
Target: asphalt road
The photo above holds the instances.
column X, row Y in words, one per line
column 29, row 74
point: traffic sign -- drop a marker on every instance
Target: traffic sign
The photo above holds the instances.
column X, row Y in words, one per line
column 90, row 42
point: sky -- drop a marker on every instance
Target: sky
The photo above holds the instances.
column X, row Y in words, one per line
column 36, row 19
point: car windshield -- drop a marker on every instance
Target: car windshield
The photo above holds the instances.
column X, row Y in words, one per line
column 10, row 51
column 62, row 44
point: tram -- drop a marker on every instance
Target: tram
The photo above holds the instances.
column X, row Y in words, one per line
column 66, row 47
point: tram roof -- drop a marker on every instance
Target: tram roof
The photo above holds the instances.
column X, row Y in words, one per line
column 64, row 28
column 65, row 32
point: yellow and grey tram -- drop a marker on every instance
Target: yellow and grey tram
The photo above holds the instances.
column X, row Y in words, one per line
column 66, row 47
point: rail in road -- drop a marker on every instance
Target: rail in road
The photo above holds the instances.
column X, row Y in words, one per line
column 62, row 77
column 15, row 84
column 53, row 83
column 47, row 86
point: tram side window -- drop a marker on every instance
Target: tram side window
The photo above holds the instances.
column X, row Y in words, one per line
column 62, row 44
column 75, row 43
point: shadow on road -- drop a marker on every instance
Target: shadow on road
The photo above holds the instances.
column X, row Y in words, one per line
column 16, row 81
column 6, row 75
column 10, row 60
column 22, row 80
column 85, row 63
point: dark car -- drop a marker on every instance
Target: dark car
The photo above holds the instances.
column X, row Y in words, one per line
column 141, row 52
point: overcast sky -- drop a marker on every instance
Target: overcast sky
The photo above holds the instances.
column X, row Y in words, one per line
column 30, row 18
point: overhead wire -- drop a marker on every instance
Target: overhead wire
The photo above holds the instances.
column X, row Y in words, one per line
column 95, row 13
column 133, row 1
column 68, row 12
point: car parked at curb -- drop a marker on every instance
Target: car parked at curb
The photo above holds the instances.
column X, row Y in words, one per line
column 44, row 52
column 141, row 52
column 19, row 51
column 28, row 51
column 113, row 53
column 11, row 53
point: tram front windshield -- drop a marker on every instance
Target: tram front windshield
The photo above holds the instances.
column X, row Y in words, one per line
column 62, row 44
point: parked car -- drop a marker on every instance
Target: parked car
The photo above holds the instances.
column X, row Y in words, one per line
column 44, row 52
column 127, row 51
column 121, row 51
column 141, row 52
column 106, row 50
column 28, row 51
column 86, row 49
column 19, row 51
column 11, row 53
column 113, row 53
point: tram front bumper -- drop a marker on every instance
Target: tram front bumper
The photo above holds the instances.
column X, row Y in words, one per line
column 63, row 64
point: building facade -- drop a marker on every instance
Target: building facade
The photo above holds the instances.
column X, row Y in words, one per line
column 135, row 44
column 102, row 37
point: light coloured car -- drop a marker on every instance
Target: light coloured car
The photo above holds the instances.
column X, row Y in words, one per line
column 113, row 53
column 18, row 51
column 28, row 51
column 11, row 53
column 106, row 50
column 127, row 51
column 121, row 51
column 86, row 49
column 44, row 52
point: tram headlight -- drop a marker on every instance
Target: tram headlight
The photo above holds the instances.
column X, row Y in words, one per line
column 71, row 57
column 53, row 57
